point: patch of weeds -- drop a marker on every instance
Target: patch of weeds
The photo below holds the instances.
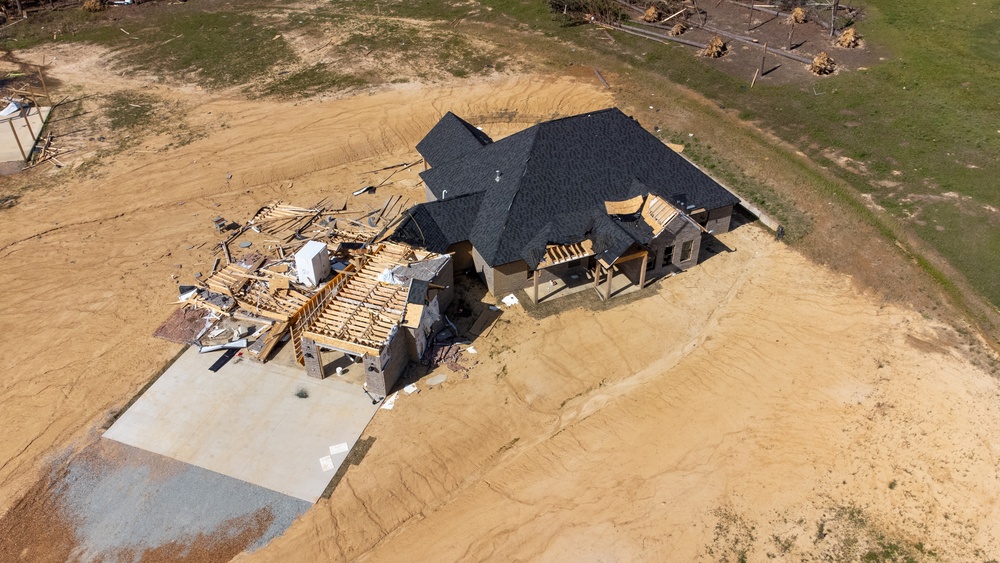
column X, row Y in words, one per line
column 8, row 201
column 892, row 484
column 302, row 393
column 734, row 537
column 220, row 49
column 784, row 545
column 797, row 223
column 310, row 81
column 130, row 110
column 502, row 373
column 887, row 551
column 821, row 530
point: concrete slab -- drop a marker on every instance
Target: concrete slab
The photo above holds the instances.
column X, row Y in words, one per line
column 23, row 133
column 247, row 422
column 554, row 289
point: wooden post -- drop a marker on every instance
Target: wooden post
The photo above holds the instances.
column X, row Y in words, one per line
column 755, row 73
column 833, row 18
column 607, row 288
column 45, row 88
column 597, row 274
column 537, row 272
column 25, row 114
column 790, row 31
column 642, row 272
column 14, row 131
column 750, row 21
column 760, row 70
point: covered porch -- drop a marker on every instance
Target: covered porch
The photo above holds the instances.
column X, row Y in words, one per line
column 571, row 268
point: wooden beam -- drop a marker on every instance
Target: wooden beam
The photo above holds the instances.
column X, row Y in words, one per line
column 607, row 289
column 630, row 257
column 340, row 345
column 537, row 276
column 642, row 272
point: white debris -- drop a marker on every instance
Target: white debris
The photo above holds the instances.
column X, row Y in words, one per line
column 510, row 300
column 339, row 448
column 411, row 389
column 326, row 463
column 390, row 402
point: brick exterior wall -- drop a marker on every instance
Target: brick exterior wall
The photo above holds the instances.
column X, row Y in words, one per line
column 657, row 252
column 379, row 378
column 509, row 278
column 445, row 277
column 461, row 255
column 719, row 219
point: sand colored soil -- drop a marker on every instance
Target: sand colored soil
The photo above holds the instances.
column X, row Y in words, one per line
column 758, row 404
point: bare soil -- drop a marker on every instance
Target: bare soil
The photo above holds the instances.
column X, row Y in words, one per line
column 758, row 405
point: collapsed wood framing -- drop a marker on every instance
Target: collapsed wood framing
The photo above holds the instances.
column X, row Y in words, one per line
column 362, row 314
column 378, row 306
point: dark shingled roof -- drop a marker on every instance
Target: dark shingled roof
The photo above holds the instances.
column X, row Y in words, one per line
column 548, row 185
column 439, row 224
column 451, row 138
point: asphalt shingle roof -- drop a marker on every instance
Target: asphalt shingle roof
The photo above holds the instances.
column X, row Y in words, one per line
column 439, row 224
column 548, row 185
column 451, row 138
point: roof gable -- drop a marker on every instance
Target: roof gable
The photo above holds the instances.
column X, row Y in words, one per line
column 449, row 139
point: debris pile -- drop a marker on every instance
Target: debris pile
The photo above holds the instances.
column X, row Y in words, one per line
column 677, row 30
column 823, row 64
column 848, row 39
column 798, row 15
column 252, row 300
column 652, row 15
column 715, row 48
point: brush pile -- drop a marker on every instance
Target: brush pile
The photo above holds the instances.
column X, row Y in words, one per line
column 715, row 48
column 849, row 39
column 823, row 64
column 93, row 6
column 677, row 30
column 798, row 15
column 652, row 15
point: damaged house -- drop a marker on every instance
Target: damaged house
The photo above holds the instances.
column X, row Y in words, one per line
column 381, row 308
column 583, row 196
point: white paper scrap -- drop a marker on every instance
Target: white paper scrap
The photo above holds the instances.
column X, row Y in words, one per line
column 411, row 389
column 510, row 300
column 390, row 402
column 326, row 463
column 339, row 448
column 471, row 350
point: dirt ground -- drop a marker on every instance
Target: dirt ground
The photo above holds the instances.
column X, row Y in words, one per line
column 758, row 405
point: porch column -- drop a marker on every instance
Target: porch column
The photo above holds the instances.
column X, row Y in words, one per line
column 537, row 275
column 642, row 272
column 607, row 288
column 313, row 358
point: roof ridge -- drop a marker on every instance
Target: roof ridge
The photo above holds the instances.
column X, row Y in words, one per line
column 534, row 139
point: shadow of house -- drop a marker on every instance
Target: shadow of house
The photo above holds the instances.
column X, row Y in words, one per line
column 578, row 198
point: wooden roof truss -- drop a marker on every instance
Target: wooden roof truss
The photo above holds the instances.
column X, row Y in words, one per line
column 562, row 253
column 284, row 221
column 364, row 311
